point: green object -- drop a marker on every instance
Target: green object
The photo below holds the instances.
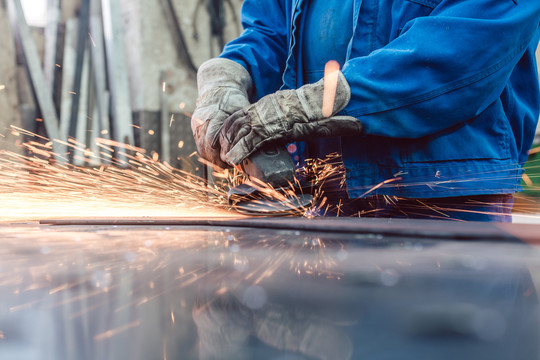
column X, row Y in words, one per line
column 531, row 179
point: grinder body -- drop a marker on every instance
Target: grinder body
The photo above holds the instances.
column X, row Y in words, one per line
column 273, row 167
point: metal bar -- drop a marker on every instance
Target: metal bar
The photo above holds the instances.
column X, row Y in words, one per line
column 405, row 228
column 82, row 35
column 51, row 42
column 165, row 132
column 31, row 57
column 118, row 78
column 94, row 160
column 10, row 103
column 93, row 120
column 68, row 77
column 99, row 68
column 82, row 115
column 177, row 34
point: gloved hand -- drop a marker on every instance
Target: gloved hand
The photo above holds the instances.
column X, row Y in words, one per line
column 285, row 116
column 224, row 87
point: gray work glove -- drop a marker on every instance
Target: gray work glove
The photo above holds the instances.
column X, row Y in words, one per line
column 285, row 116
column 223, row 87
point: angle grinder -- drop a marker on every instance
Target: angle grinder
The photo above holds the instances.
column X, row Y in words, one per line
column 272, row 189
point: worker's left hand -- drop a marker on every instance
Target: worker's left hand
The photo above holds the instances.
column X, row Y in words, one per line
column 282, row 117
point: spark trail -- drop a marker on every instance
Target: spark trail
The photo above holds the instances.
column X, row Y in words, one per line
column 42, row 184
column 34, row 186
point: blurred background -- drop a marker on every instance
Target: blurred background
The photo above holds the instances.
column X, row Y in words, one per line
column 123, row 70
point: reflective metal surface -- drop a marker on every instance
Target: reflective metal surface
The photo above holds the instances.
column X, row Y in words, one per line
column 199, row 292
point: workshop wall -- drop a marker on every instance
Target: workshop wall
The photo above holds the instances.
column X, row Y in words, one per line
column 9, row 112
column 163, row 70
column 149, row 82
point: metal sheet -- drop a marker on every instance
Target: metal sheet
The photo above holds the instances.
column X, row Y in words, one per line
column 198, row 292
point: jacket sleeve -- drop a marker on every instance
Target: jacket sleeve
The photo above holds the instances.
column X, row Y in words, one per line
column 442, row 69
column 262, row 46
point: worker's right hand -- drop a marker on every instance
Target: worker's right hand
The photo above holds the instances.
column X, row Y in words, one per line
column 223, row 87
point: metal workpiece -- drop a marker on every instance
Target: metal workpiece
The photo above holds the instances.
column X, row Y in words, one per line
column 408, row 228
column 233, row 289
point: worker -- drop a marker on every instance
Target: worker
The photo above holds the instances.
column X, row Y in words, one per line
column 435, row 107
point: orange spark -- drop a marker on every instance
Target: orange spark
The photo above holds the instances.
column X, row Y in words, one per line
column 92, row 39
column 110, row 333
column 101, row 141
column 527, row 179
column 221, row 291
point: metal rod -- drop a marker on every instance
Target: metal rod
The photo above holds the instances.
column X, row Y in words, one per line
column 405, row 228
column 51, row 42
column 82, row 115
column 118, row 77
column 68, row 77
column 177, row 34
column 32, row 60
column 82, row 35
column 99, row 68
column 165, row 131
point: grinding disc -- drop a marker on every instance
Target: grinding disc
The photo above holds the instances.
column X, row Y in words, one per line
column 272, row 207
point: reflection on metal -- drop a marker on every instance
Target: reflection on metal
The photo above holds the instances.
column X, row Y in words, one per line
column 193, row 292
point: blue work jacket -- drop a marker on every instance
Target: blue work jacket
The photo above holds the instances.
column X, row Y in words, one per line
column 447, row 90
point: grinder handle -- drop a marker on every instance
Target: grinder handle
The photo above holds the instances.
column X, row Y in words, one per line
column 272, row 165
